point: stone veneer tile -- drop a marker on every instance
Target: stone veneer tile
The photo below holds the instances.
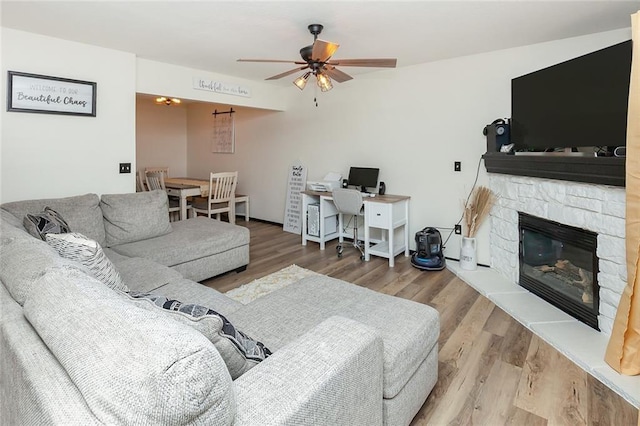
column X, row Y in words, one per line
column 529, row 308
column 597, row 208
column 485, row 280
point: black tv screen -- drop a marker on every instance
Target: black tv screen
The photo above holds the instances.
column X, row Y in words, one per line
column 578, row 103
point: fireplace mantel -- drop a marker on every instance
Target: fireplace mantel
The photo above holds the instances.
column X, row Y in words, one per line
column 599, row 170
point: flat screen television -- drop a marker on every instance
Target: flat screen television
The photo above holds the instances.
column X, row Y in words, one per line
column 363, row 177
column 578, row 103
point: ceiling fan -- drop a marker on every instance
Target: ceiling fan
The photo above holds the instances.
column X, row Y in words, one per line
column 317, row 59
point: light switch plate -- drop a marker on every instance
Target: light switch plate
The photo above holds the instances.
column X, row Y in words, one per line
column 125, row 167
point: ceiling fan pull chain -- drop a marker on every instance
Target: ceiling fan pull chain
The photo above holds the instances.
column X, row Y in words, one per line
column 315, row 94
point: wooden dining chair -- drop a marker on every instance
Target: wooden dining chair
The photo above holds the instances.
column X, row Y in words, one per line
column 221, row 199
column 155, row 180
column 163, row 169
column 141, row 184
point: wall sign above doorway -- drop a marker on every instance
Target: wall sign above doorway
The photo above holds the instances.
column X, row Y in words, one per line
column 221, row 87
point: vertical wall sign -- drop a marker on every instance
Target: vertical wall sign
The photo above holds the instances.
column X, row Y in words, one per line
column 297, row 176
column 223, row 136
column 50, row 95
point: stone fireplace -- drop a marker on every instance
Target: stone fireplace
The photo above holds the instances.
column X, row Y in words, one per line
column 597, row 209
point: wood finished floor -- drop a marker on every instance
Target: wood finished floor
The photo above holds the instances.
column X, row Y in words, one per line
column 492, row 370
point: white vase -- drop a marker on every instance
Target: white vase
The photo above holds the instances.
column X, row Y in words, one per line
column 468, row 260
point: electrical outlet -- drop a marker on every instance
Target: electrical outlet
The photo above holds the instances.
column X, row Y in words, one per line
column 457, row 229
column 457, row 166
column 125, row 167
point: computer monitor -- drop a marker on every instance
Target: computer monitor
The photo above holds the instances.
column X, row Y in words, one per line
column 363, row 177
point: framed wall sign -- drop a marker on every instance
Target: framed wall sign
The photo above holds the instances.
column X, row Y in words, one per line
column 50, row 95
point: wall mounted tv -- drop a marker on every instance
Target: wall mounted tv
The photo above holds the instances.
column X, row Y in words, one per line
column 578, row 103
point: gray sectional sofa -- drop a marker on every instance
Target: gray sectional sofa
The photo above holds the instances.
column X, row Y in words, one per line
column 75, row 351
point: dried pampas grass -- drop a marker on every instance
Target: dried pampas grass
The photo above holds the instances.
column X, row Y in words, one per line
column 477, row 209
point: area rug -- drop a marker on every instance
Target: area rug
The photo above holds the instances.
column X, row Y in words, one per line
column 265, row 285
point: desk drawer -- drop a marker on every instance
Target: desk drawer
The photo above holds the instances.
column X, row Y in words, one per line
column 378, row 215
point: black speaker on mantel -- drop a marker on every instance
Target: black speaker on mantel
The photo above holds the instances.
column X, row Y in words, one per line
column 498, row 134
column 382, row 188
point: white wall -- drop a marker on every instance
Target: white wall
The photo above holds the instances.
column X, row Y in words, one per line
column 158, row 78
column 47, row 155
column 161, row 136
column 412, row 123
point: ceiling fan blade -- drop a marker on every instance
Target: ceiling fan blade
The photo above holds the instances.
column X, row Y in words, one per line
column 271, row 60
column 286, row 73
column 380, row 62
column 323, row 50
column 336, row 74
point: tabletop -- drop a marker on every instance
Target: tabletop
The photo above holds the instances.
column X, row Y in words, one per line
column 185, row 183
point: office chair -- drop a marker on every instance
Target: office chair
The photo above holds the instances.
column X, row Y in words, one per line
column 349, row 201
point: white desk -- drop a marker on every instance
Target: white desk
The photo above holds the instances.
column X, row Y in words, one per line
column 385, row 212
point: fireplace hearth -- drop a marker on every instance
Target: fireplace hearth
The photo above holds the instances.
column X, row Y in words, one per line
column 559, row 264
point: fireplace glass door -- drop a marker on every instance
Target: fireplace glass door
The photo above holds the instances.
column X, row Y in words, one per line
column 559, row 264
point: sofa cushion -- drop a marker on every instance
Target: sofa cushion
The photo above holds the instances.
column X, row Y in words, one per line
column 135, row 216
column 45, row 222
column 145, row 275
column 10, row 232
column 114, row 256
column 408, row 338
column 75, row 246
column 194, row 238
column 23, row 259
column 239, row 351
column 131, row 366
column 34, row 388
column 81, row 212
column 10, row 219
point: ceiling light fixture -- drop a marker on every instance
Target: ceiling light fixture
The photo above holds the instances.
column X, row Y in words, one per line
column 301, row 81
column 324, row 82
column 322, row 79
column 167, row 101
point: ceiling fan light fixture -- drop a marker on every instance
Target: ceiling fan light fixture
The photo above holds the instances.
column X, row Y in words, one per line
column 324, row 82
column 317, row 58
column 301, row 81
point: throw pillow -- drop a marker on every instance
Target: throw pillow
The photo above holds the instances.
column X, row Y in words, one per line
column 77, row 247
column 239, row 351
column 45, row 222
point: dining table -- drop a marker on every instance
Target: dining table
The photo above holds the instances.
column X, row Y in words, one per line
column 184, row 187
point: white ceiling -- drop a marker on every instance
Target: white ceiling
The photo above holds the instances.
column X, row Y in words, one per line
column 211, row 35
